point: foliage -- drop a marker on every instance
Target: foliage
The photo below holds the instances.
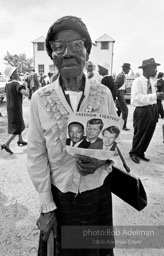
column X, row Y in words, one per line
column 21, row 61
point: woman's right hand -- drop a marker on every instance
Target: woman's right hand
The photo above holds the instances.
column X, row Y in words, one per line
column 47, row 222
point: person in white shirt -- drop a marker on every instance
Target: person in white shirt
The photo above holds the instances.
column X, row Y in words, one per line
column 92, row 75
column 73, row 190
column 119, row 82
column 144, row 99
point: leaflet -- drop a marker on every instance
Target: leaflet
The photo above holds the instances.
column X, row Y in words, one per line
column 93, row 134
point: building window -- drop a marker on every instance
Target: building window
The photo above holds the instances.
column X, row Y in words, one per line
column 41, row 69
column 40, row 46
column 104, row 45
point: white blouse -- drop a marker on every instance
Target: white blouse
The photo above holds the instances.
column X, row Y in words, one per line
column 47, row 159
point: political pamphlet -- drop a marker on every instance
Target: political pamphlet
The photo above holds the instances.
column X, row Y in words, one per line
column 93, row 134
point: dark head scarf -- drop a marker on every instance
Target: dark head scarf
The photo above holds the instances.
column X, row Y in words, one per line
column 68, row 23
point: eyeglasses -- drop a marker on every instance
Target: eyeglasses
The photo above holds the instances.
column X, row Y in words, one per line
column 60, row 46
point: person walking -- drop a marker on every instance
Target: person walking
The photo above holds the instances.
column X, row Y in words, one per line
column 120, row 82
column 32, row 82
column 42, row 80
column 144, row 99
column 14, row 96
column 73, row 190
column 107, row 79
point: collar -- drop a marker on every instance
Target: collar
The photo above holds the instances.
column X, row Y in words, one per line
column 91, row 141
column 76, row 144
column 65, row 97
column 55, row 87
column 13, row 80
column 145, row 78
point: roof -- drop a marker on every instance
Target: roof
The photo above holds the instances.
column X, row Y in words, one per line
column 40, row 39
column 105, row 38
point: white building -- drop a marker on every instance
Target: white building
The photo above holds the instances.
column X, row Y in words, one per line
column 102, row 51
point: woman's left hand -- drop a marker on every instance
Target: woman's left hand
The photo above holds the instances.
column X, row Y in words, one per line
column 88, row 165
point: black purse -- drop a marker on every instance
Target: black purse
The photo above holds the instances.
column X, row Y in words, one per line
column 127, row 187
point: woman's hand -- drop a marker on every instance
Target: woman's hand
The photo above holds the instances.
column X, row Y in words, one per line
column 47, row 222
column 88, row 165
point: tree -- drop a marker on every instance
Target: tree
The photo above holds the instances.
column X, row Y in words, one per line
column 20, row 61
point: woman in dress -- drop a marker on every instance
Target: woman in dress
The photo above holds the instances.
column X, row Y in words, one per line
column 73, row 190
column 14, row 96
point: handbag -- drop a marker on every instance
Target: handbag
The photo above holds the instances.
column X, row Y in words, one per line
column 127, row 187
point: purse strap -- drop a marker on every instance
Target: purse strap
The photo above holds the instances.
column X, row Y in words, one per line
column 122, row 159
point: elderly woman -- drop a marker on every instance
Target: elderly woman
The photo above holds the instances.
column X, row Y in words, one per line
column 73, row 190
column 14, row 96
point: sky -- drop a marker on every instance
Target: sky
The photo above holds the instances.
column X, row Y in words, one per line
column 137, row 26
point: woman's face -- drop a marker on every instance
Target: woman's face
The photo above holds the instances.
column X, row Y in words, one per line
column 69, row 63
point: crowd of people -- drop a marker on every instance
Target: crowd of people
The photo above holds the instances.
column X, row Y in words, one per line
column 74, row 190
column 34, row 81
column 147, row 102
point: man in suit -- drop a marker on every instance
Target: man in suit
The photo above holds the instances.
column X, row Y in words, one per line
column 109, row 136
column 93, row 129
column 119, row 82
column 32, row 82
column 76, row 136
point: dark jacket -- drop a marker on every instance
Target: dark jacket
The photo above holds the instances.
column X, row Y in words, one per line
column 98, row 144
column 119, row 80
column 83, row 144
column 160, row 85
column 32, row 81
column 109, row 82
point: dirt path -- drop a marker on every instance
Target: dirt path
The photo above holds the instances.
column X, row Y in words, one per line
column 19, row 207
